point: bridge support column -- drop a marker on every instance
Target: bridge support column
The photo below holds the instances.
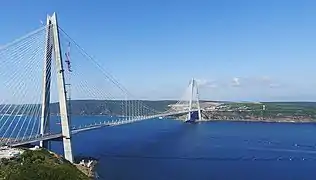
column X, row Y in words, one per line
column 54, row 44
column 191, row 98
column 61, row 92
column 46, row 84
column 198, row 102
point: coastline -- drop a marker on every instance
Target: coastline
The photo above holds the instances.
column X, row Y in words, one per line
column 87, row 166
column 300, row 121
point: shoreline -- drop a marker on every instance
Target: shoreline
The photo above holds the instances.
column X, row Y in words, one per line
column 87, row 166
column 301, row 121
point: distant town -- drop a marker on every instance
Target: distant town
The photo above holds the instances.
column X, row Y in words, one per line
column 261, row 111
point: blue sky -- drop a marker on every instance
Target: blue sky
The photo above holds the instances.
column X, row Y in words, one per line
column 237, row 49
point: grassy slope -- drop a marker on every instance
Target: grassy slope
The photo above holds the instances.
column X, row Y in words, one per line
column 39, row 164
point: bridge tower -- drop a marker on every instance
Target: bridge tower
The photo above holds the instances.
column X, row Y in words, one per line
column 52, row 49
column 194, row 108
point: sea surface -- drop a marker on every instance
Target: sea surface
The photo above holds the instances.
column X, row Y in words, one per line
column 170, row 149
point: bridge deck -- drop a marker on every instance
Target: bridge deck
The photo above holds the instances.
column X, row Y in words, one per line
column 56, row 136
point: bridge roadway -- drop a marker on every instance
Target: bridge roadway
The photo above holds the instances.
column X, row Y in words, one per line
column 58, row 136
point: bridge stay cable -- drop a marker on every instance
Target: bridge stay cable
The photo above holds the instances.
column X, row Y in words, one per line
column 102, row 70
column 30, row 107
column 21, row 77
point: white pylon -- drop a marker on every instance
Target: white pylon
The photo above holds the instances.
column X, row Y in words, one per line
column 52, row 42
column 194, row 95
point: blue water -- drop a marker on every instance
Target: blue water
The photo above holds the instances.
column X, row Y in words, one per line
column 168, row 149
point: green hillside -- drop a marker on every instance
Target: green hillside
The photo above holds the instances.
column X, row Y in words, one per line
column 108, row 107
column 39, row 164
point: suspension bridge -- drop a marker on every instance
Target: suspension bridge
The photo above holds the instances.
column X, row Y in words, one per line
column 47, row 66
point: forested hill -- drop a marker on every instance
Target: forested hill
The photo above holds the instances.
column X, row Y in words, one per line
column 117, row 107
column 109, row 107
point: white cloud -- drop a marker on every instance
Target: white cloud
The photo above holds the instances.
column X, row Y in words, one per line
column 247, row 83
column 206, row 83
column 252, row 82
column 274, row 85
column 236, row 82
column 201, row 82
